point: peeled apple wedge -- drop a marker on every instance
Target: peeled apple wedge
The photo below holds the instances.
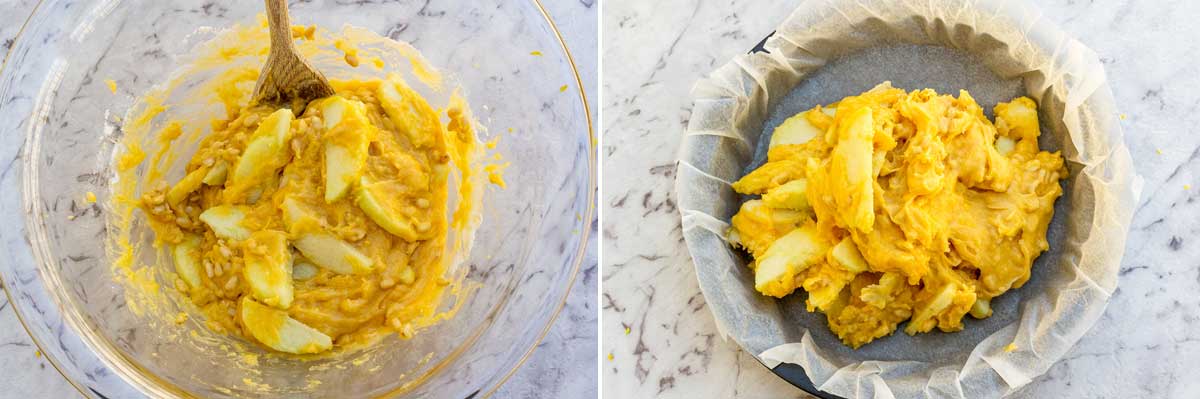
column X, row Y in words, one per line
column 882, row 292
column 385, row 206
column 407, row 275
column 922, row 319
column 268, row 268
column 408, row 111
column 226, row 221
column 791, row 195
column 332, row 253
column 347, row 135
column 266, row 151
column 1005, row 145
column 341, row 166
column 797, row 129
column 296, row 214
column 303, row 271
column 823, row 291
column 187, row 260
column 981, row 309
column 846, row 254
column 186, row 186
column 787, row 256
column 216, row 176
column 275, row 329
column 850, row 170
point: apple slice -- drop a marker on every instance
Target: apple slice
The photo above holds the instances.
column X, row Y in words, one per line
column 331, row 253
column 825, row 286
column 791, row 195
column 275, row 329
column 216, row 176
column 850, row 170
column 388, row 206
column 797, row 129
column 846, row 255
column 297, row 215
column 411, row 114
column 923, row 318
column 981, row 309
column 268, row 268
column 265, row 153
column 303, row 271
column 186, row 186
column 787, row 256
column 342, row 166
column 407, row 275
column 187, row 260
column 1005, row 145
column 347, row 135
column 226, row 221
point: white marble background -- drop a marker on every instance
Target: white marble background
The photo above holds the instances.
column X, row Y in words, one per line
column 26, row 373
column 564, row 366
column 1146, row 345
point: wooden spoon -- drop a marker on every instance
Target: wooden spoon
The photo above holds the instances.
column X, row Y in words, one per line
column 287, row 77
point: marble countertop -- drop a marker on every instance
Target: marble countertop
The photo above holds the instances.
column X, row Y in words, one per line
column 655, row 324
column 564, row 365
column 28, row 374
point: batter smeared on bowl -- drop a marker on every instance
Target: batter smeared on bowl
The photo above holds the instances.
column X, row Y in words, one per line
column 891, row 206
column 306, row 230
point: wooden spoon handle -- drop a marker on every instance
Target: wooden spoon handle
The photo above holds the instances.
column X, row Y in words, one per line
column 286, row 76
column 280, row 24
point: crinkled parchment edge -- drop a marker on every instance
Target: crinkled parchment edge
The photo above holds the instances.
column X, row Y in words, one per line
column 1013, row 40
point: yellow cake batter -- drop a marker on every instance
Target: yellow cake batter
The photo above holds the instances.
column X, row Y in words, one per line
column 310, row 229
column 891, row 206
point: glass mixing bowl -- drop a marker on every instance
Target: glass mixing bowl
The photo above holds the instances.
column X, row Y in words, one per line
column 58, row 126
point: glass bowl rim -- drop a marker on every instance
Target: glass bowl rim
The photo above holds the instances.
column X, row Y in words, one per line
column 580, row 250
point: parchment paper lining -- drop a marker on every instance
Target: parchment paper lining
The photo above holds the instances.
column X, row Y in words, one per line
column 1072, row 282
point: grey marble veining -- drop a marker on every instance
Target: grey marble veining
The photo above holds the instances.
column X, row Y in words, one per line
column 27, row 373
column 1146, row 345
column 563, row 366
